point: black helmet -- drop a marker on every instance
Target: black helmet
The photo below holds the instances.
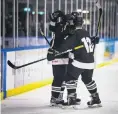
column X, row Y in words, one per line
column 58, row 15
column 77, row 18
column 70, row 19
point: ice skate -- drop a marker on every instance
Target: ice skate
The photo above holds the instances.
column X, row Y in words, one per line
column 55, row 102
column 95, row 101
column 72, row 101
column 78, row 102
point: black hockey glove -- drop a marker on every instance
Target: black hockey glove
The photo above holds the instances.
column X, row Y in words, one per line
column 51, row 54
column 54, row 16
column 95, row 40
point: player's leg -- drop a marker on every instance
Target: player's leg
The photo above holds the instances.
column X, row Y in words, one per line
column 91, row 87
column 71, row 79
column 58, row 73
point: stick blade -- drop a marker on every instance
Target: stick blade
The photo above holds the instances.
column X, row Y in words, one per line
column 11, row 65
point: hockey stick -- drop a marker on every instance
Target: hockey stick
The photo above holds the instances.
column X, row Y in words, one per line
column 17, row 67
column 44, row 36
column 76, row 48
column 100, row 15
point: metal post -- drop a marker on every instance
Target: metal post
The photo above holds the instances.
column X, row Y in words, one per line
column 0, row 25
column 71, row 5
column 76, row 5
column 3, row 18
column 111, row 20
column 14, row 22
column 45, row 17
column 82, row 6
column 105, row 18
column 59, row 7
column 65, row 6
column 90, row 18
column 17, row 25
column 108, row 20
column 86, row 10
column 27, row 23
column 37, row 21
column 59, row 4
column 113, row 7
column 0, row 50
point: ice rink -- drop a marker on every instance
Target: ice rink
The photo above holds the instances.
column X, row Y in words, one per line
column 37, row 101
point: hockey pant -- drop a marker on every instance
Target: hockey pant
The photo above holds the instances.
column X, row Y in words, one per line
column 59, row 72
column 72, row 76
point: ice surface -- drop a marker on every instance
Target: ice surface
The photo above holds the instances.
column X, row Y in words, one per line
column 37, row 101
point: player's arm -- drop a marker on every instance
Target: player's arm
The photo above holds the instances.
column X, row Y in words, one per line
column 54, row 18
column 67, row 44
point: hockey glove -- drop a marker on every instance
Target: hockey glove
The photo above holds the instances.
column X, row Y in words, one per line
column 54, row 16
column 51, row 54
column 95, row 39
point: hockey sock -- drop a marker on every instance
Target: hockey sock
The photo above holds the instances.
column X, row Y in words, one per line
column 62, row 90
column 92, row 87
column 56, row 91
column 71, row 86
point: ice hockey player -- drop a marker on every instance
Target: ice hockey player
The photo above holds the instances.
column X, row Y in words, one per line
column 61, row 29
column 83, row 62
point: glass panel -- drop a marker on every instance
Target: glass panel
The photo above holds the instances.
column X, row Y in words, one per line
column 49, row 10
column 7, row 24
column 22, row 19
column 63, row 5
column 23, row 9
column 68, row 6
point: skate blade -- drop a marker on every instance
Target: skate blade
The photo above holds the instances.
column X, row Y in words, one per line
column 56, row 106
column 76, row 107
column 95, row 106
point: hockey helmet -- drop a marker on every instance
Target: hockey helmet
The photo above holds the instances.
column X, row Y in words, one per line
column 57, row 16
column 77, row 18
column 69, row 19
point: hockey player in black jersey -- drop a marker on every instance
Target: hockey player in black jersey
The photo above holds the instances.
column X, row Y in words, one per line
column 60, row 28
column 83, row 63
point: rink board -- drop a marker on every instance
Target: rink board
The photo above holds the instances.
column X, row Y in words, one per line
column 33, row 76
column 40, row 74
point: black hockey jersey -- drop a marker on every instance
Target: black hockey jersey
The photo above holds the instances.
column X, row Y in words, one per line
column 60, row 32
column 83, row 57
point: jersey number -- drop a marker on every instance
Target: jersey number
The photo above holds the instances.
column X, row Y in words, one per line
column 88, row 45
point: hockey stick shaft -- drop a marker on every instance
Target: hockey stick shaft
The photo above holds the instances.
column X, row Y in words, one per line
column 100, row 15
column 17, row 67
column 44, row 36
column 99, row 21
column 70, row 50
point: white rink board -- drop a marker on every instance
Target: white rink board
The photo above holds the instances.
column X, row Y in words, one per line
column 31, row 73
column 99, row 53
column 116, row 50
column 40, row 70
